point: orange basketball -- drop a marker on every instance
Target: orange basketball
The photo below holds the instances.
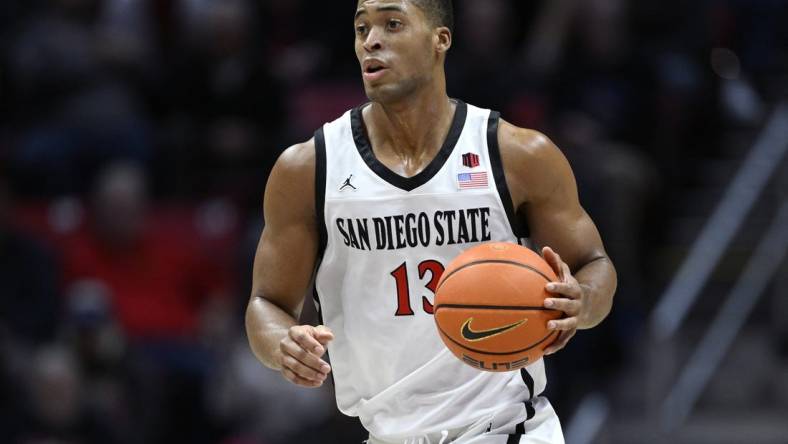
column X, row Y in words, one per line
column 489, row 306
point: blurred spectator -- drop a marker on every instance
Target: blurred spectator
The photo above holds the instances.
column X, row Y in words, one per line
column 164, row 294
column 223, row 84
column 29, row 306
column 486, row 38
column 252, row 400
column 29, row 301
column 158, row 281
column 57, row 410
column 94, row 338
column 599, row 75
column 72, row 114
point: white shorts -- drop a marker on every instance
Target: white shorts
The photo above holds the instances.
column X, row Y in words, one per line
column 507, row 426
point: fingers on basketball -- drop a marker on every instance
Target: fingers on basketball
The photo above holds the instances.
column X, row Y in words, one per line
column 489, row 306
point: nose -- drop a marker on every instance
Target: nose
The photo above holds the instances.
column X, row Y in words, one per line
column 373, row 41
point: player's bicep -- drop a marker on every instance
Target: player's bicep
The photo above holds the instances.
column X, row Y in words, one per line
column 553, row 210
column 283, row 266
column 287, row 250
column 568, row 230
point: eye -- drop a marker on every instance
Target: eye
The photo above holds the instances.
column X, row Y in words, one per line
column 394, row 25
column 361, row 29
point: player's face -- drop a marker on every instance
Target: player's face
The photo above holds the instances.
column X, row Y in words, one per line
column 395, row 46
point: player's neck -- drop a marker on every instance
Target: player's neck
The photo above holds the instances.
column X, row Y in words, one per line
column 413, row 126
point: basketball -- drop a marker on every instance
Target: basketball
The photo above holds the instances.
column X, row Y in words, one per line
column 489, row 307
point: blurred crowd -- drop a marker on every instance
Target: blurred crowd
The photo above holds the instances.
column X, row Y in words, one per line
column 136, row 137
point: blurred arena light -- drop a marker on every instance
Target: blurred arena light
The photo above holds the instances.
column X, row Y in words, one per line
column 725, row 222
column 719, row 337
column 666, row 318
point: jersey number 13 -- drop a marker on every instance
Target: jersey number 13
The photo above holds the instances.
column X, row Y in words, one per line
column 400, row 275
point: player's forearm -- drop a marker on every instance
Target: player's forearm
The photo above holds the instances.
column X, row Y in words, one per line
column 266, row 326
column 600, row 281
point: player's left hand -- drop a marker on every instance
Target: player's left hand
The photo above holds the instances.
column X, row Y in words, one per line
column 572, row 300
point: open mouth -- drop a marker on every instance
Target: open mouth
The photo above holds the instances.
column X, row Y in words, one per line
column 373, row 67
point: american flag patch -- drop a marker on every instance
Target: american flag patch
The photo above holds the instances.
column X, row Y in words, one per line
column 468, row 181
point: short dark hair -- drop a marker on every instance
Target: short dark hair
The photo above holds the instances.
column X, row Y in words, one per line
column 441, row 12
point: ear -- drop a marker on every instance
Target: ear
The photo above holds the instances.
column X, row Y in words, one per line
column 442, row 39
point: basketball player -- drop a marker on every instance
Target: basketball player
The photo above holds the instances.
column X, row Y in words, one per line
column 378, row 202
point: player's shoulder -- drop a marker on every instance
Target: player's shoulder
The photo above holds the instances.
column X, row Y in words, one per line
column 297, row 160
column 298, row 155
column 533, row 164
column 525, row 145
column 290, row 187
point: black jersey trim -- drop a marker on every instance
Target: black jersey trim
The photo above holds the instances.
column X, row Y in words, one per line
column 318, row 305
column 320, row 216
column 320, row 321
column 519, row 228
column 515, row 437
column 361, row 138
column 530, row 412
column 519, row 429
column 320, row 191
column 529, row 382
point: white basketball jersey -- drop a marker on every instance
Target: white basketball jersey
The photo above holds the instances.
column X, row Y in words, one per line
column 385, row 240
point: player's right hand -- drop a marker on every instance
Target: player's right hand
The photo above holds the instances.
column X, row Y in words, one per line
column 301, row 352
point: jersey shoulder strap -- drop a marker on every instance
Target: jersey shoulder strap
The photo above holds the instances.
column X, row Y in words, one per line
column 516, row 221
